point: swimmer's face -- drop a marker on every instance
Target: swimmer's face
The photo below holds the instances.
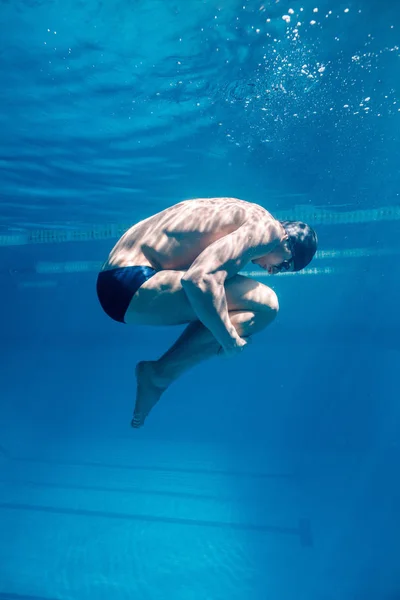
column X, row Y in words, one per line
column 286, row 265
column 276, row 262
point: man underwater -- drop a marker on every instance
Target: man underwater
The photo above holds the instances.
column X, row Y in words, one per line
column 181, row 266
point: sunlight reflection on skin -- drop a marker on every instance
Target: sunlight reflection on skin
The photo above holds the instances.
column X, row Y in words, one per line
column 197, row 248
column 175, row 237
column 204, row 238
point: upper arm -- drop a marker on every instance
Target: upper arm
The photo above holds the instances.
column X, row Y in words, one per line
column 228, row 255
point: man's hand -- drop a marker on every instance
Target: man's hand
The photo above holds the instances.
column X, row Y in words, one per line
column 236, row 347
column 204, row 281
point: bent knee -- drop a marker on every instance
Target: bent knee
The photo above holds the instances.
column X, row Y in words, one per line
column 273, row 301
column 267, row 308
column 247, row 294
column 268, row 301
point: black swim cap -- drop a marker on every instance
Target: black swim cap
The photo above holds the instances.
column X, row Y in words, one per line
column 302, row 242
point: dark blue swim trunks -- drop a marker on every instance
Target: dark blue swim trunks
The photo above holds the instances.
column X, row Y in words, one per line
column 116, row 287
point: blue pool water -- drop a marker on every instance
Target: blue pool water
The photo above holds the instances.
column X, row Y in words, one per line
column 273, row 476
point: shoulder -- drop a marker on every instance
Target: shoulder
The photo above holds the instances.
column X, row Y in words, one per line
column 234, row 212
column 217, row 212
column 266, row 231
column 259, row 214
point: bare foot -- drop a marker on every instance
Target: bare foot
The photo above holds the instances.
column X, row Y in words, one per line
column 147, row 393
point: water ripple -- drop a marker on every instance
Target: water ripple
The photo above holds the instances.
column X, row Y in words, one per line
column 89, row 92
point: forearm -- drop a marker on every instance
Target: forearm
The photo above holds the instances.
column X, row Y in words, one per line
column 208, row 300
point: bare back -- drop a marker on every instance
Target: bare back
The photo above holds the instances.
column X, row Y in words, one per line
column 174, row 238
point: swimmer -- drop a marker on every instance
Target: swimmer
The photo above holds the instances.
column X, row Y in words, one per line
column 181, row 266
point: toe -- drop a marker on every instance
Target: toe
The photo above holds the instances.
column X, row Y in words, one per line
column 137, row 421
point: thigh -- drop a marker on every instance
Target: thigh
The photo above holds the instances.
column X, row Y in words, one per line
column 161, row 300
